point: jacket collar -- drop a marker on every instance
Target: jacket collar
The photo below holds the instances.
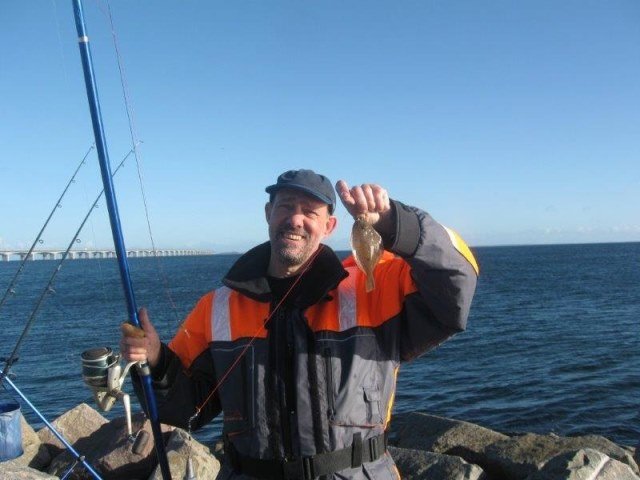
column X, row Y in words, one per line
column 249, row 276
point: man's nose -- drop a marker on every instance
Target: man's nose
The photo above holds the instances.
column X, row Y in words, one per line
column 296, row 219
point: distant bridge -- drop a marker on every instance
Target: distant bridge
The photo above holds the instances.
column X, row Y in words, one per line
column 9, row 255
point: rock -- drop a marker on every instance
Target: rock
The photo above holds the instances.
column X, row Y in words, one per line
column 422, row 465
column 421, row 431
column 584, row 464
column 13, row 471
column 111, row 452
column 73, row 425
column 34, row 449
column 126, row 457
column 36, row 455
column 519, row 457
column 179, row 448
column 605, row 446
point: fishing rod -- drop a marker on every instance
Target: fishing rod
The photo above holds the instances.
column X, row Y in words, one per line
column 35, row 242
column 116, row 230
column 49, row 288
column 78, row 457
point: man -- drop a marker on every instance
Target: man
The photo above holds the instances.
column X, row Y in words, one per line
column 301, row 360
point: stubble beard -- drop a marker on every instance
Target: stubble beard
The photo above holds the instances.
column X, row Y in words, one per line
column 291, row 256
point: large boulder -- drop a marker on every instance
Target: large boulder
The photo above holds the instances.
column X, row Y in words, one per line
column 13, row 471
column 112, row 453
column 180, row 448
column 422, row 465
column 584, row 464
column 519, row 457
column 77, row 423
column 421, row 431
column 35, row 454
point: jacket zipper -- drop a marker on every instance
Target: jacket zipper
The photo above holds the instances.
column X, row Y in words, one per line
column 283, row 355
column 290, row 385
column 329, row 379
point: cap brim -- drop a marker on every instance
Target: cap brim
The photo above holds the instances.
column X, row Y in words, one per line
column 308, row 191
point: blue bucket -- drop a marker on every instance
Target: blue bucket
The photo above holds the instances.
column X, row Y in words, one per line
column 10, row 431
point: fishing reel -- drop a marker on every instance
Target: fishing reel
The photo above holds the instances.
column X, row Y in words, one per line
column 103, row 374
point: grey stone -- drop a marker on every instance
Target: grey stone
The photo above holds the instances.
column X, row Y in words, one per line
column 12, row 471
column 519, row 457
column 111, row 452
column 421, row 431
column 422, row 465
column 77, row 423
column 635, row 453
column 181, row 446
column 34, row 449
column 126, row 457
column 584, row 464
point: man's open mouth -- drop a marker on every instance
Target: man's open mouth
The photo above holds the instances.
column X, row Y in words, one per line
column 295, row 237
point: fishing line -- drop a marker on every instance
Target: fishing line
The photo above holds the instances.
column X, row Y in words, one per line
column 64, row 67
column 49, row 287
column 10, row 289
column 100, row 272
column 255, row 336
column 70, row 471
column 133, row 135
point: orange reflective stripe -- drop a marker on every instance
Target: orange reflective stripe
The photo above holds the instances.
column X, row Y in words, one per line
column 462, row 247
column 195, row 332
column 247, row 317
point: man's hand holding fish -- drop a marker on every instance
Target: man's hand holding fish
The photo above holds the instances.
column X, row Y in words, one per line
column 369, row 199
column 371, row 209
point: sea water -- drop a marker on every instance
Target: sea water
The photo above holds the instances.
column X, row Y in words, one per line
column 552, row 345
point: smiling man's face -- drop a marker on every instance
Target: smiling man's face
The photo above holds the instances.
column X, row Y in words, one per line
column 297, row 224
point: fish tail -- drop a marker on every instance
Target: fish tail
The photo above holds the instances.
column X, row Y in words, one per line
column 371, row 283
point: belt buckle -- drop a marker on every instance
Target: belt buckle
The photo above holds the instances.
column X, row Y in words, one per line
column 297, row 468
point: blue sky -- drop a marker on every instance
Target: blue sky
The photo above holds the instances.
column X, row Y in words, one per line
column 512, row 122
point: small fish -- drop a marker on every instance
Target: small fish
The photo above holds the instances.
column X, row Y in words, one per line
column 366, row 245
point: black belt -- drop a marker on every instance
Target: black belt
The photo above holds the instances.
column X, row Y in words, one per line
column 308, row 468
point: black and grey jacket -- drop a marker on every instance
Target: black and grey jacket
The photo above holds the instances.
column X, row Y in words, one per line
column 318, row 374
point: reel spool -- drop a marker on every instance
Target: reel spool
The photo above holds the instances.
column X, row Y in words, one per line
column 103, row 374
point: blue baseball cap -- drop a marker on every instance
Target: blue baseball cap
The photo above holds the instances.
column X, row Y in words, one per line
column 307, row 181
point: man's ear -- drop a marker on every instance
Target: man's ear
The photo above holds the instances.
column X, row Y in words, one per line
column 267, row 210
column 332, row 223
